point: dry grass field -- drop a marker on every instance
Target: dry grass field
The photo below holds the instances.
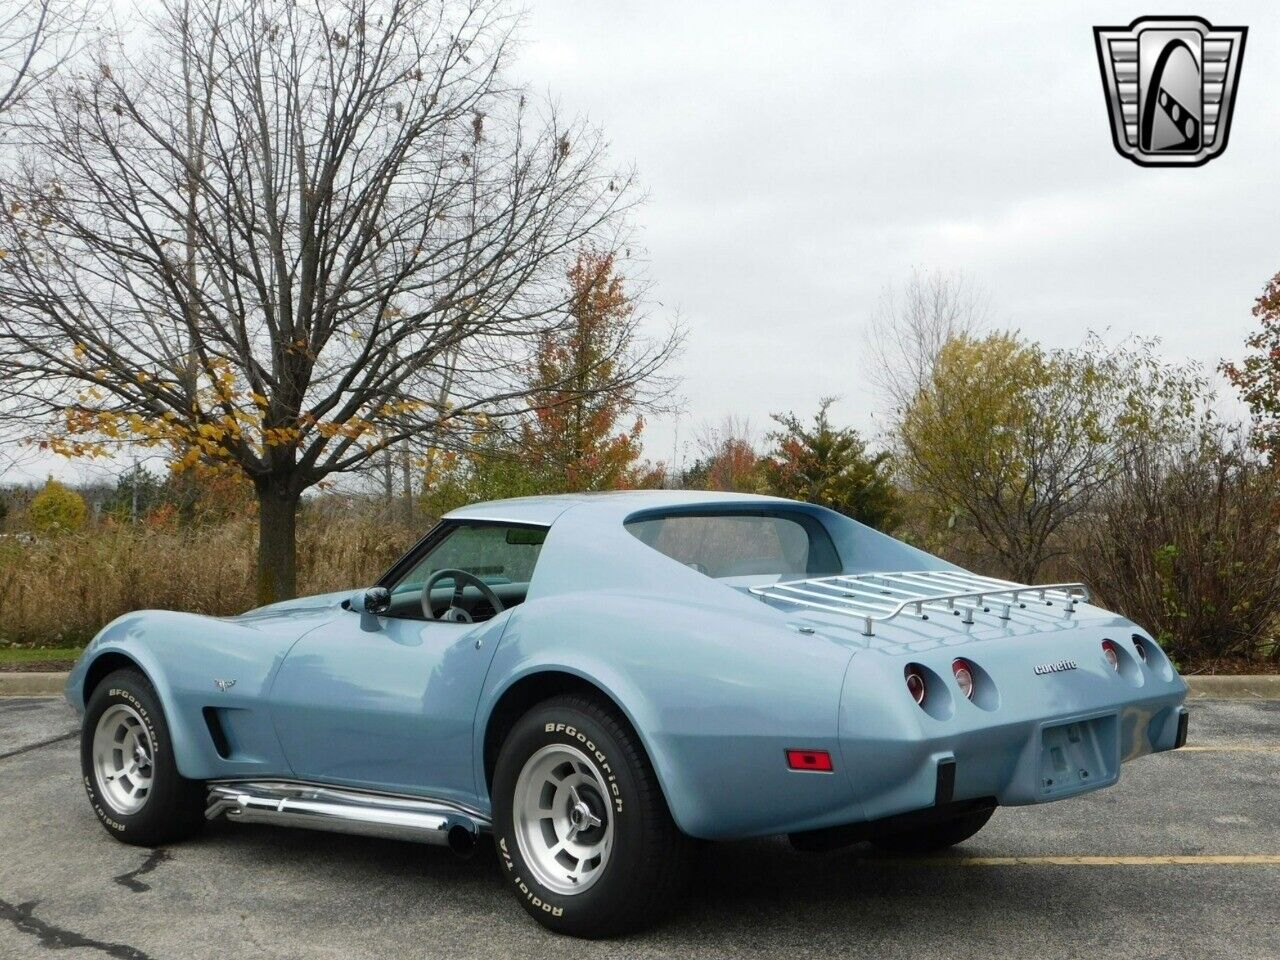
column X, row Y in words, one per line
column 58, row 592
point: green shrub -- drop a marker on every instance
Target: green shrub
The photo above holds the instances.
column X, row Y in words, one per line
column 56, row 510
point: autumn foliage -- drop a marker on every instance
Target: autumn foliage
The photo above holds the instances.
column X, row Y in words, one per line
column 1257, row 377
column 583, row 435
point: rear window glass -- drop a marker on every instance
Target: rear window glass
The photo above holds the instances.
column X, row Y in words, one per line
column 725, row 545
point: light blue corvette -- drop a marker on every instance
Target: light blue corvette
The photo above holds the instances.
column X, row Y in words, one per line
column 598, row 680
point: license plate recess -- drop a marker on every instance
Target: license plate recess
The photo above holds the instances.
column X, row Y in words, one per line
column 1078, row 755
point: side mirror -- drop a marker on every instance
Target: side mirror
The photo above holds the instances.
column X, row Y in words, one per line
column 375, row 600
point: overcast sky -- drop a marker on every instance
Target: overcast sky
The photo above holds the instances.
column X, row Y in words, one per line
column 798, row 157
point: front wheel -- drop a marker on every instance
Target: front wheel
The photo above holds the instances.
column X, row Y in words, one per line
column 126, row 759
column 583, row 830
column 937, row 836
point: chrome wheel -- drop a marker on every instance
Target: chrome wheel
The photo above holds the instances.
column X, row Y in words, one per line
column 561, row 815
column 123, row 758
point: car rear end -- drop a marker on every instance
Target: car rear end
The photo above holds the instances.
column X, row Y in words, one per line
column 1016, row 714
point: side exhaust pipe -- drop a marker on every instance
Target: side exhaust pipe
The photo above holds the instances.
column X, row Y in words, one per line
column 462, row 841
column 347, row 811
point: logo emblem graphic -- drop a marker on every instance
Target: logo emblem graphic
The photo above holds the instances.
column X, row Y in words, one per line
column 224, row 685
column 1170, row 84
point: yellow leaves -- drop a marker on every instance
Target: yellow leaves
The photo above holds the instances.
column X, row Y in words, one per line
column 65, row 446
column 399, row 407
column 352, row 429
column 186, row 461
column 280, row 436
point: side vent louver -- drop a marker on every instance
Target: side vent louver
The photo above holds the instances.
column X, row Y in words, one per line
column 216, row 732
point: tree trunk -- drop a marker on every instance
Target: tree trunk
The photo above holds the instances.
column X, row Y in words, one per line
column 277, row 545
column 407, row 477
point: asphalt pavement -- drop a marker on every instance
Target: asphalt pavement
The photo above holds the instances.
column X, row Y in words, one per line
column 1180, row 860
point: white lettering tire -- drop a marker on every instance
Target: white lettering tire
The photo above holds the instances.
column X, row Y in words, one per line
column 583, row 832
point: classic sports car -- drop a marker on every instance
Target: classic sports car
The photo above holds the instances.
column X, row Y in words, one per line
column 598, row 680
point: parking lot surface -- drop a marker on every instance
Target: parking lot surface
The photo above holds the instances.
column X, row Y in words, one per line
column 1180, row 859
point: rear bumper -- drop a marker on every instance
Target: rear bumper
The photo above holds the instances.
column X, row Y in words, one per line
column 946, row 806
column 1014, row 761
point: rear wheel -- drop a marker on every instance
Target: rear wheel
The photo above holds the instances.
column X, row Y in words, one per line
column 937, row 836
column 126, row 759
column 582, row 828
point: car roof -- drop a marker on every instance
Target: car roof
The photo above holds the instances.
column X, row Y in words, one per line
column 544, row 510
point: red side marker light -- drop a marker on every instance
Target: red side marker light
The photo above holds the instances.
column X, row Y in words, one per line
column 1112, row 653
column 818, row 761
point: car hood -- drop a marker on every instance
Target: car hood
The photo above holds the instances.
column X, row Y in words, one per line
column 291, row 609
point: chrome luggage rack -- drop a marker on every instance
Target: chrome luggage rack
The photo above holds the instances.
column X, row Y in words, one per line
column 878, row 597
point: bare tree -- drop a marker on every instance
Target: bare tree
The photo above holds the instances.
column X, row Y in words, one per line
column 36, row 38
column 268, row 238
column 910, row 326
column 728, row 457
column 1184, row 542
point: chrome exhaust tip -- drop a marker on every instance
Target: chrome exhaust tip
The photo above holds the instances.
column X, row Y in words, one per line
column 462, row 841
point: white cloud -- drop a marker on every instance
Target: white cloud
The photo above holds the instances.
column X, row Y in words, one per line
column 798, row 157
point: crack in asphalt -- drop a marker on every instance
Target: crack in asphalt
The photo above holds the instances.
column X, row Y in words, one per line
column 56, row 938
column 36, row 746
column 130, row 879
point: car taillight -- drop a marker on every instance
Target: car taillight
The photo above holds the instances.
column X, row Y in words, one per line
column 915, row 685
column 1112, row 653
column 1141, row 647
column 964, row 676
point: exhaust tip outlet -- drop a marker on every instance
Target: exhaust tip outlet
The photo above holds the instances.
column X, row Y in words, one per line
column 462, row 841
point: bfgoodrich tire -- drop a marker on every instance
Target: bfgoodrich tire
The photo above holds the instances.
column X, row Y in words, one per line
column 126, row 759
column 937, row 836
column 584, row 835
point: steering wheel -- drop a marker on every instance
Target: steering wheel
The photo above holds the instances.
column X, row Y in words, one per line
column 455, row 613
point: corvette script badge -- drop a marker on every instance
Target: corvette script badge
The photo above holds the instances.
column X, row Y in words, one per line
column 1058, row 666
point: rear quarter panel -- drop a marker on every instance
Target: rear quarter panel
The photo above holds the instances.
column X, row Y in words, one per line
column 716, row 697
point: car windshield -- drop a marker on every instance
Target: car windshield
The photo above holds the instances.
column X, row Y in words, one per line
column 496, row 554
column 742, row 544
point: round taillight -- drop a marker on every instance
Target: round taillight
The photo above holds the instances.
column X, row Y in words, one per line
column 1112, row 653
column 964, row 677
column 915, row 685
column 1140, row 645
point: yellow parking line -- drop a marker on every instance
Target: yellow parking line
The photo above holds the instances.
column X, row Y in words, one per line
column 1218, row 860
column 1232, row 748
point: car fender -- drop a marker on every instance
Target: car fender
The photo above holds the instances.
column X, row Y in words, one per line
column 206, row 671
